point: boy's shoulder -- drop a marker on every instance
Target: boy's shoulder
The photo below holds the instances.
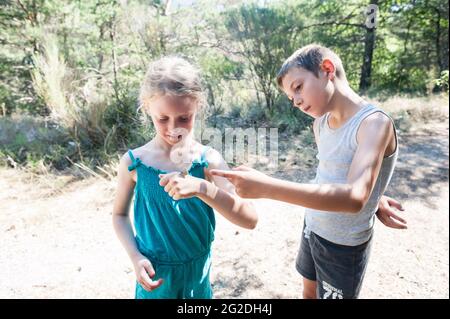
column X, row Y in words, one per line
column 376, row 119
column 377, row 125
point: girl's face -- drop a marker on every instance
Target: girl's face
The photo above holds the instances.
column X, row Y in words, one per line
column 173, row 117
column 307, row 92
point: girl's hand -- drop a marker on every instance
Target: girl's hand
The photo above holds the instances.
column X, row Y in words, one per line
column 144, row 272
column 386, row 213
column 179, row 186
column 249, row 183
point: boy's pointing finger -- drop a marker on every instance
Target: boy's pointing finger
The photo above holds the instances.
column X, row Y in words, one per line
column 242, row 168
column 222, row 173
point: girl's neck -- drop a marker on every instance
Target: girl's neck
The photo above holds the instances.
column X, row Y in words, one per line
column 344, row 104
column 161, row 144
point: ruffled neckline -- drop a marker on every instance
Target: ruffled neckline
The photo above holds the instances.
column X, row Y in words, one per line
column 195, row 163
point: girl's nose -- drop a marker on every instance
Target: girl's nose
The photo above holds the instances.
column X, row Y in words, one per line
column 171, row 126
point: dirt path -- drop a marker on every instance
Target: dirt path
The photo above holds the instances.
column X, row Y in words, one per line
column 58, row 242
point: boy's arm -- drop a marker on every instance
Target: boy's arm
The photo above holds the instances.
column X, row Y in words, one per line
column 374, row 135
column 238, row 210
column 218, row 193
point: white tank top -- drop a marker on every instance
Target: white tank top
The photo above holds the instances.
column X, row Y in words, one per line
column 337, row 148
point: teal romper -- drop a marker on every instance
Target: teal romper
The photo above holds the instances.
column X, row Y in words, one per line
column 175, row 235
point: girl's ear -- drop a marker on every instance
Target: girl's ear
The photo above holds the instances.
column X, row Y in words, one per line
column 328, row 67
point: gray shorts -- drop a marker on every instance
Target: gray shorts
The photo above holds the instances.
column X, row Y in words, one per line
column 339, row 270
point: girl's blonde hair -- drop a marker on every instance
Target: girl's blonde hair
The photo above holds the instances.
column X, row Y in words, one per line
column 173, row 76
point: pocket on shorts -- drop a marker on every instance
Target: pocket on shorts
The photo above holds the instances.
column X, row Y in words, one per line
column 330, row 252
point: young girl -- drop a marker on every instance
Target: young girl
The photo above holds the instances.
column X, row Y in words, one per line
column 174, row 199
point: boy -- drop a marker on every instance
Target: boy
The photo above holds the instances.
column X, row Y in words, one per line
column 357, row 152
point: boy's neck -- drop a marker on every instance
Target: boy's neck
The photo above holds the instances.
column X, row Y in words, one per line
column 344, row 104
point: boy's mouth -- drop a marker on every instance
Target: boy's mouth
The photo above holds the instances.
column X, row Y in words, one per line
column 306, row 108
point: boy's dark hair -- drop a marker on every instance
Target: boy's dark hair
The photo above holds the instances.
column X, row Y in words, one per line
column 310, row 57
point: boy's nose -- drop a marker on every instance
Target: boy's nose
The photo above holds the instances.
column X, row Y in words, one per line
column 298, row 101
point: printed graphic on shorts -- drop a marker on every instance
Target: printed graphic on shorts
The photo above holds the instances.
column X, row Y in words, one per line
column 331, row 292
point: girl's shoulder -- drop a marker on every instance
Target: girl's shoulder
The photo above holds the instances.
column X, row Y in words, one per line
column 142, row 151
column 127, row 159
column 213, row 157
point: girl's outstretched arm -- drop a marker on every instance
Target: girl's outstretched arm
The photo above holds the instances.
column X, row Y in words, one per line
column 217, row 192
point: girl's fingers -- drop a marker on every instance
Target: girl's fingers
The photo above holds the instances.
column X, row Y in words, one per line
column 171, row 185
column 165, row 178
column 156, row 284
column 147, row 272
column 145, row 280
column 149, row 269
column 168, row 187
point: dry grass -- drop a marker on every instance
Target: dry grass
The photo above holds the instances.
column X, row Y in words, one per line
column 417, row 110
column 73, row 102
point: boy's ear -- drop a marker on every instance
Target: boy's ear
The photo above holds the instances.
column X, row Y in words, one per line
column 328, row 67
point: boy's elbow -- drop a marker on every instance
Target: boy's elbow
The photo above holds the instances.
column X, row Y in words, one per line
column 355, row 206
column 253, row 222
column 357, row 202
column 358, row 199
column 250, row 224
column 253, row 219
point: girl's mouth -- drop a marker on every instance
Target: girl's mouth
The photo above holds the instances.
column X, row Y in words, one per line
column 175, row 138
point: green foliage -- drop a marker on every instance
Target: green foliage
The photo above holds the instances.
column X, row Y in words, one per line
column 79, row 64
column 442, row 82
column 24, row 139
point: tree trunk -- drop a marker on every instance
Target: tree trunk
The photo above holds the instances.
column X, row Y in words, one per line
column 369, row 47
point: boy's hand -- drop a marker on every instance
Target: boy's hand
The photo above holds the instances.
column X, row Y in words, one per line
column 249, row 183
column 179, row 186
column 387, row 215
column 144, row 272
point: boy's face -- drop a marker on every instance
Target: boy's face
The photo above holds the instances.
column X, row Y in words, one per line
column 173, row 117
column 307, row 92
